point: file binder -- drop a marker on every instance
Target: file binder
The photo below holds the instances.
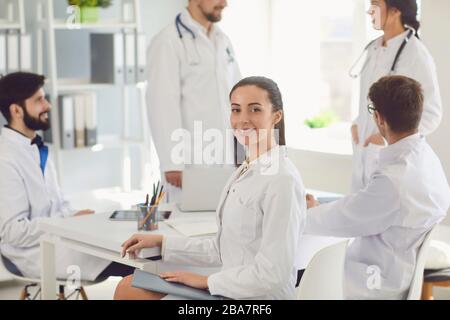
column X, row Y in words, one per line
column 152, row 282
column 2, row 54
column 91, row 119
column 12, row 58
column 66, row 108
column 107, row 58
column 80, row 101
column 47, row 134
column 130, row 58
column 25, row 53
column 141, row 57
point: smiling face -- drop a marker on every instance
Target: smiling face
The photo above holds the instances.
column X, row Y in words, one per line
column 36, row 112
column 252, row 116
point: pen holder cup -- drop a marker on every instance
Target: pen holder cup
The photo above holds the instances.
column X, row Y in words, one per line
column 148, row 217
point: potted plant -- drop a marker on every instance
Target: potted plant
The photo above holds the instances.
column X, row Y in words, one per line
column 89, row 9
column 322, row 120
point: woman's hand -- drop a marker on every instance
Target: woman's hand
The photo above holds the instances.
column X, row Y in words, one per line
column 190, row 279
column 140, row 241
column 355, row 136
column 376, row 139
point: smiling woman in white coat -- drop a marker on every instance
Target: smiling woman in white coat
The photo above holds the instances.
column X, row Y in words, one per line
column 260, row 215
column 406, row 196
column 399, row 51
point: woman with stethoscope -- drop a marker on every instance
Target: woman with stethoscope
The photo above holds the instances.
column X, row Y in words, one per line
column 398, row 51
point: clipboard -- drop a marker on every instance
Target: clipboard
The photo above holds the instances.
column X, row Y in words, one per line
column 152, row 282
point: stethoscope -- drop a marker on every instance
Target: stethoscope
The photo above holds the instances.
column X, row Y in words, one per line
column 190, row 47
column 394, row 64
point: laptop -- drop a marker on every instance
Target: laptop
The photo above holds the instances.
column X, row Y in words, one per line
column 202, row 187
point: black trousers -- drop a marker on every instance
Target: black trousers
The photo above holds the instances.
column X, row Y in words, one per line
column 120, row 270
column 115, row 270
column 299, row 277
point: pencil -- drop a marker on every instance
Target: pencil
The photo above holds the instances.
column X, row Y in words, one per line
column 153, row 209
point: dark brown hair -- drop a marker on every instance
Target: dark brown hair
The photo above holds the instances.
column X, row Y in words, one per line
column 399, row 100
column 275, row 98
column 409, row 11
column 16, row 88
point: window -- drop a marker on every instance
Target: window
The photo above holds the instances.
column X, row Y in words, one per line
column 307, row 47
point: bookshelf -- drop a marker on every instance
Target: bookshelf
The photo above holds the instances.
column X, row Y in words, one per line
column 15, row 16
column 47, row 28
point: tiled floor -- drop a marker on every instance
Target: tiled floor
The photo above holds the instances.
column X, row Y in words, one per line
column 103, row 291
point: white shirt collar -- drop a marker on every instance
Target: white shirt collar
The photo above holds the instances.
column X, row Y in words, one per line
column 266, row 160
column 397, row 40
column 196, row 27
column 15, row 136
column 393, row 151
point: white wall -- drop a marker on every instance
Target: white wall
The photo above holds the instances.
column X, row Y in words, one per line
column 436, row 25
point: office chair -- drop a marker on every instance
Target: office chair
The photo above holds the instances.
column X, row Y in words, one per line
column 319, row 281
column 29, row 283
column 437, row 277
column 415, row 290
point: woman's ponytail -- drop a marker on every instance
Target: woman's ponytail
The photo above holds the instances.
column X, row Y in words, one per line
column 409, row 10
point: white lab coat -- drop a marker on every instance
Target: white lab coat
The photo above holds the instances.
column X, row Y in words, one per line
column 188, row 80
column 260, row 218
column 415, row 62
column 406, row 196
column 27, row 197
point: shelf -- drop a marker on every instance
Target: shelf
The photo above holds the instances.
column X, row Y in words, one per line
column 84, row 87
column 74, row 85
column 7, row 25
column 106, row 143
column 102, row 25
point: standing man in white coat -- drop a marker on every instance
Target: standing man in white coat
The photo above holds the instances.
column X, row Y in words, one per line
column 399, row 51
column 191, row 70
column 406, row 196
column 29, row 190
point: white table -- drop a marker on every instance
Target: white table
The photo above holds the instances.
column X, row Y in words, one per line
column 96, row 235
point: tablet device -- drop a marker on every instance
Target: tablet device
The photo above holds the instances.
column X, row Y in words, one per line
column 124, row 215
column 152, row 282
column 324, row 200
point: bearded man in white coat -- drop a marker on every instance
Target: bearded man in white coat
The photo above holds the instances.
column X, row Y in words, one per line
column 29, row 191
column 405, row 198
column 191, row 68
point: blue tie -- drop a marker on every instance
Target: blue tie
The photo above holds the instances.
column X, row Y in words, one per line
column 43, row 151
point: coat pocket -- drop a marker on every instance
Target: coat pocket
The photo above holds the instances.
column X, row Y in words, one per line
column 248, row 222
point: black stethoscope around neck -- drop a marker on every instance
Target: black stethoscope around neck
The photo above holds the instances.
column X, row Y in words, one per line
column 179, row 24
column 193, row 58
column 394, row 64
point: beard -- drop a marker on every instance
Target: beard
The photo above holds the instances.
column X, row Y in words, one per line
column 214, row 16
column 35, row 124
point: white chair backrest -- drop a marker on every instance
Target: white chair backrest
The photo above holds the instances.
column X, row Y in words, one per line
column 323, row 278
column 415, row 290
